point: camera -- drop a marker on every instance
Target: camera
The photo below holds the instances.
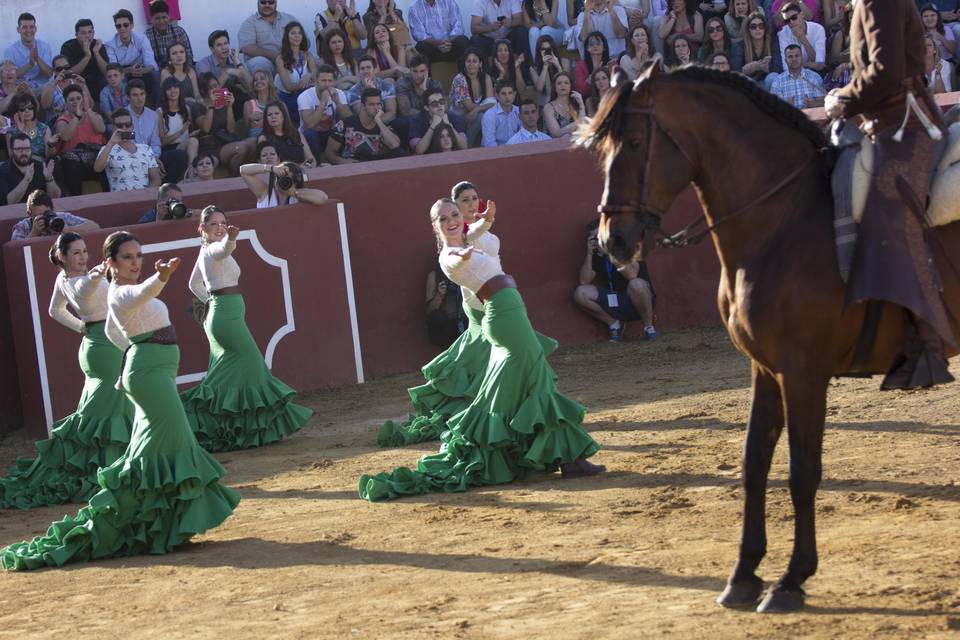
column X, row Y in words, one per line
column 54, row 223
column 286, row 183
column 127, row 135
column 177, row 209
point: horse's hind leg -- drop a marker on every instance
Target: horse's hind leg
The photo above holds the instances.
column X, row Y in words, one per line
column 744, row 587
column 806, row 404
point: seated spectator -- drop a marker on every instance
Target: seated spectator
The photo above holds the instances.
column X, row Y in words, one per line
column 267, row 154
column 933, row 23
column 264, row 92
column 717, row 40
column 838, row 12
column 296, row 68
column 51, row 95
column 364, row 136
column 735, row 19
column 939, row 72
column 224, row 63
column 369, row 80
column 290, row 143
column 204, row 168
column 547, row 63
column 492, row 20
column 445, row 316
column 174, row 120
column 128, row 164
column 505, row 65
column 338, row 55
column 81, row 131
column 718, row 60
column 146, row 126
column 179, row 68
column 609, row 19
column 411, row 89
column 809, row 36
column 132, row 51
column 42, row 220
column 566, row 111
column 43, row 140
column 341, row 15
column 471, row 93
column 809, row 8
column 639, row 49
column 761, row 56
column 391, row 59
column 162, row 35
column 385, row 12
column 261, row 35
column 285, row 185
column 798, row 85
column 949, row 13
column 114, row 95
column 320, row 108
column 679, row 51
column 214, row 117
column 598, row 55
column 503, row 120
column 10, row 85
column 437, row 28
column 168, row 195
column 614, row 295
column 599, row 85
column 32, row 55
column 424, row 129
column 87, row 56
column 23, row 174
column 446, row 138
column 529, row 119
column 682, row 19
column 542, row 19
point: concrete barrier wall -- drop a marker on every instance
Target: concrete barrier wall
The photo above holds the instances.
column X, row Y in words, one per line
column 545, row 194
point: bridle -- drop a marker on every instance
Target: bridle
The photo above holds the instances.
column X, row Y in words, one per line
column 650, row 217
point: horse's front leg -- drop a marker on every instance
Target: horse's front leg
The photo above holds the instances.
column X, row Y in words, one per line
column 806, row 405
column 744, row 587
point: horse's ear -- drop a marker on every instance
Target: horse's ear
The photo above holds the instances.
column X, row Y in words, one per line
column 618, row 77
column 648, row 73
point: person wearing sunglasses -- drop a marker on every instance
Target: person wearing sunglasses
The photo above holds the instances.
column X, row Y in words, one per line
column 809, row 8
column 433, row 116
column 32, row 55
column 128, row 164
column 132, row 51
column 761, row 56
column 811, row 37
column 261, row 36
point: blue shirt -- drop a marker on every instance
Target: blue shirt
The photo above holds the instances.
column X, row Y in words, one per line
column 499, row 125
column 387, row 90
column 525, row 136
column 146, row 129
column 19, row 53
column 139, row 50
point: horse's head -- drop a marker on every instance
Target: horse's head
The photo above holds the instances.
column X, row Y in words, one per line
column 645, row 166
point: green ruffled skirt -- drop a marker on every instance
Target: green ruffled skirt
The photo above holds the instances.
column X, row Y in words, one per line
column 65, row 469
column 239, row 404
column 163, row 490
column 518, row 422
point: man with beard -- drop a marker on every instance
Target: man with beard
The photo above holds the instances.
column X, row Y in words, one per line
column 21, row 174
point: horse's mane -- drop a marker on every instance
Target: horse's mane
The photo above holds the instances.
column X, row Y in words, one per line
column 604, row 131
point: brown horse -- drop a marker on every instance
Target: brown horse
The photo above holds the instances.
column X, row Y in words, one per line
column 761, row 172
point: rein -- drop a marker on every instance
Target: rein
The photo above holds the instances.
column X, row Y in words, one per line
column 650, row 217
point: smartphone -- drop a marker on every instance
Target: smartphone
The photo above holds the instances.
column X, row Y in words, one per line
column 219, row 98
column 501, row 18
column 127, row 135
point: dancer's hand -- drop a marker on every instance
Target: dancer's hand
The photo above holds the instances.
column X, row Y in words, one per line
column 490, row 212
column 98, row 271
column 233, row 232
column 463, row 253
column 166, row 269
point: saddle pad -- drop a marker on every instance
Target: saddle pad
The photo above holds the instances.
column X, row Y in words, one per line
column 944, row 206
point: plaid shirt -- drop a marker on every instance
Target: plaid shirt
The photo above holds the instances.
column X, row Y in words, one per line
column 797, row 90
column 22, row 229
column 161, row 42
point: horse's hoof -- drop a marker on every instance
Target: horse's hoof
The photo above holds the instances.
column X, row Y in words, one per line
column 782, row 601
column 741, row 595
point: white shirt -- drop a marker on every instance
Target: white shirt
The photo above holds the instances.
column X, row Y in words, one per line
column 489, row 11
column 87, row 294
column 815, row 34
column 271, row 200
column 310, row 101
column 488, row 243
column 603, row 23
column 128, row 171
column 135, row 310
column 525, row 136
column 483, row 264
column 215, row 269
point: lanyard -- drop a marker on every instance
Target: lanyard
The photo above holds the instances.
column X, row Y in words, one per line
column 609, row 266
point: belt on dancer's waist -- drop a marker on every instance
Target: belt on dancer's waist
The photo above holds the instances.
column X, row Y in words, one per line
column 94, row 322
column 495, row 284
column 226, row 291
column 164, row 335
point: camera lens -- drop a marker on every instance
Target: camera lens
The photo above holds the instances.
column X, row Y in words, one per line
column 55, row 223
column 177, row 209
column 284, row 183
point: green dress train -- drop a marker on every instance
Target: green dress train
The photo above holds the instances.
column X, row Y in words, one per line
column 239, row 404
column 164, row 489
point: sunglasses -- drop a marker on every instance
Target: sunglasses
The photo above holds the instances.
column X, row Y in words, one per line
column 793, row 17
column 123, row 125
column 436, row 103
column 714, row 29
column 122, row 25
column 268, row 1
column 546, row 50
column 59, row 69
column 757, row 26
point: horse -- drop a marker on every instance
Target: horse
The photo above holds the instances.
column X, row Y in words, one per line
column 761, row 170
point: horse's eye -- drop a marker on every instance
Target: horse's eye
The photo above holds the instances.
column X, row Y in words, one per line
column 635, row 144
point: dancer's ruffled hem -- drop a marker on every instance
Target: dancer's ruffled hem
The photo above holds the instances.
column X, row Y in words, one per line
column 145, row 505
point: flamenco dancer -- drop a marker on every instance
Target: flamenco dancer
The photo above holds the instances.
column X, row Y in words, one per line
column 518, row 421
column 239, row 404
column 65, row 469
column 164, row 488
column 453, row 377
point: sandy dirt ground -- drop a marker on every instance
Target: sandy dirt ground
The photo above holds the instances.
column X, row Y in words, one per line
column 641, row 551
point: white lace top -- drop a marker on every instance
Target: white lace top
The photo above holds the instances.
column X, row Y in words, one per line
column 215, row 268
column 134, row 310
column 87, row 294
column 483, row 263
column 480, row 238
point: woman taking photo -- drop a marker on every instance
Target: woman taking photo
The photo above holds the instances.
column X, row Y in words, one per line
column 164, row 489
column 285, row 184
column 339, row 56
column 542, row 18
column 216, row 122
column 391, row 60
column 761, row 52
column 174, row 121
column 281, row 133
column 639, row 50
column 65, row 469
column 239, row 404
column 518, row 423
column 471, row 92
column 564, row 113
column 597, row 54
column 547, row 63
column 296, row 68
column 180, row 68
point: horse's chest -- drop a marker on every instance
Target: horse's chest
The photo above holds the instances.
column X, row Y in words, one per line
column 736, row 309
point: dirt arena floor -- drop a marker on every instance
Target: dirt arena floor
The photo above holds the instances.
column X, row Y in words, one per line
column 641, row 551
